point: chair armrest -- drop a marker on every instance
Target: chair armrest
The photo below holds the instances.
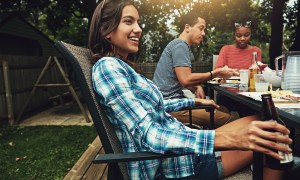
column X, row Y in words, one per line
column 132, row 156
column 208, row 108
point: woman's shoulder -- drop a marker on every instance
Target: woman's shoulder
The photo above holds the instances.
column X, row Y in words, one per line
column 108, row 62
column 228, row 46
column 254, row 48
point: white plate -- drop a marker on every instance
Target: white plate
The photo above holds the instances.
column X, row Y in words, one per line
column 228, row 81
column 234, row 78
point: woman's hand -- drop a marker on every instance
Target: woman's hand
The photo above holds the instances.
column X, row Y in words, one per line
column 199, row 101
column 256, row 137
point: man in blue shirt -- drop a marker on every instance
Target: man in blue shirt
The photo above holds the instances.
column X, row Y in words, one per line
column 173, row 72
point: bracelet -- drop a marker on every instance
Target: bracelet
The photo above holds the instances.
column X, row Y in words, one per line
column 211, row 75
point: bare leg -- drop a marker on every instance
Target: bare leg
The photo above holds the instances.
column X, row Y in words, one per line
column 233, row 161
column 239, row 123
column 270, row 174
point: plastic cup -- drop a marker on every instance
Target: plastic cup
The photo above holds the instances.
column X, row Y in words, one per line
column 261, row 82
column 244, row 75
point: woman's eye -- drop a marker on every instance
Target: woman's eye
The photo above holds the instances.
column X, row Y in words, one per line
column 128, row 21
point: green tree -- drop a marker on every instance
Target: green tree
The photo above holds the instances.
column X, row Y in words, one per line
column 59, row 19
column 293, row 16
column 69, row 21
column 277, row 15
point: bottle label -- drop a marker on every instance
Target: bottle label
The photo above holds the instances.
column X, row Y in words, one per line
column 287, row 157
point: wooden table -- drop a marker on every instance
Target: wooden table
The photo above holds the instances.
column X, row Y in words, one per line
column 290, row 116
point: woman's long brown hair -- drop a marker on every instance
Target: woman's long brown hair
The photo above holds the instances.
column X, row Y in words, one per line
column 105, row 20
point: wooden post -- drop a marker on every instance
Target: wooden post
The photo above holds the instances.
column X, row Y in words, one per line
column 9, row 102
column 34, row 89
column 71, row 89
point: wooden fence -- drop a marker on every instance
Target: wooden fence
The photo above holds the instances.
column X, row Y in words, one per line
column 21, row 74
column 149, row 68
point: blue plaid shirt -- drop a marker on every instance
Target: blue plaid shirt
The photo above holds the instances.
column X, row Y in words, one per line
column 139, row 114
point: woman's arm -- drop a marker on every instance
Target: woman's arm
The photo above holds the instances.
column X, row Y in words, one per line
column 139, row 117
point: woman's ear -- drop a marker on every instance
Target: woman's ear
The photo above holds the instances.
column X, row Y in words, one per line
column 108, row 36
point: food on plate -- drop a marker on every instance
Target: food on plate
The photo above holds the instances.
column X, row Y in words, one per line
column 280, row 93
column 223, row 81
column 291, row 97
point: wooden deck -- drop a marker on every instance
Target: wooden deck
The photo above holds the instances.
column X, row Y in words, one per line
column 85, row 169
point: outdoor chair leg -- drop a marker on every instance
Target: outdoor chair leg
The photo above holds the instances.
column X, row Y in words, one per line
column 114, row 172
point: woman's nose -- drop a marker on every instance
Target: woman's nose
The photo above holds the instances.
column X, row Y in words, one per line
column 137, row 28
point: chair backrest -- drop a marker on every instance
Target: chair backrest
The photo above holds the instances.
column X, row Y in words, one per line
column 215, row 58
column 79, row 58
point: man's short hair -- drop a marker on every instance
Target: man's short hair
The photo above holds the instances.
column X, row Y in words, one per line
column 190, row 19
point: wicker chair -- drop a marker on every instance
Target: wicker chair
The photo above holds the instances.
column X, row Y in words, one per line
column 79, row 59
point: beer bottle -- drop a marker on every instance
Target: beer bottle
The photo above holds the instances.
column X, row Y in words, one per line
column 253, row 69
column 269, row 112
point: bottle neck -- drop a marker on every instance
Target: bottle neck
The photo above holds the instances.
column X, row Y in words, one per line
column 254, row 61
column 269, row 111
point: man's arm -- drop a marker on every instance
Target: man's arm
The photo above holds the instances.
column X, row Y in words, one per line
column 187, row 78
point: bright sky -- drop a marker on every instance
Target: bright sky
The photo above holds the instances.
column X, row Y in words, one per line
column 291, row 2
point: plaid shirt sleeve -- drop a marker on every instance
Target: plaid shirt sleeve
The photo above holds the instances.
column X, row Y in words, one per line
column 136, row 109
column 173, row 105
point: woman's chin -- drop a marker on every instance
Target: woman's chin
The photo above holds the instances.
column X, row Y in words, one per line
column 242, row 46
column 134, row 50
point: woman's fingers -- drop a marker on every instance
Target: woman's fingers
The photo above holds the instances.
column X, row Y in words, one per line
column 210, row 102
column 206, row 102
column 262, row 140
column 268, row 151
column 271, row 148
column 271, row 125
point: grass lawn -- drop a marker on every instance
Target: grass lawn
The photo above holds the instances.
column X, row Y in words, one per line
column 42, row 152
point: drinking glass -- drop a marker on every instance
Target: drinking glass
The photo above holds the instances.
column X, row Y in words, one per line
column 261, row 82
column 244, row 75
